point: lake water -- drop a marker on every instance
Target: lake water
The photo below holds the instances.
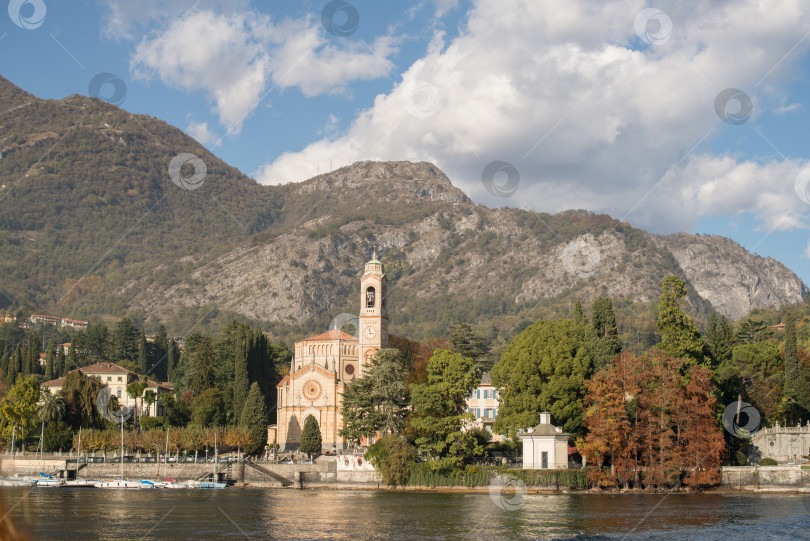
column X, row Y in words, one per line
column 244, row 513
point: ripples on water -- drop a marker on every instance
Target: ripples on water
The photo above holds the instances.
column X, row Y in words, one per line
column 65, row 513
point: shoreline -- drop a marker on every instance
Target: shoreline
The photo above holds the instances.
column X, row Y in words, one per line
column 723, row 491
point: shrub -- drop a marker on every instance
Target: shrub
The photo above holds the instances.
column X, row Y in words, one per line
column 768, row 462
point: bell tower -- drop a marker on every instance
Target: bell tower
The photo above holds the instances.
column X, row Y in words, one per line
column 373, row 315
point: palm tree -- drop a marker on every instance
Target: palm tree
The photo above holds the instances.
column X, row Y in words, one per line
column 149, row 397
column 51, row 406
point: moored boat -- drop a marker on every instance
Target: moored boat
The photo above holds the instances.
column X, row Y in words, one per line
column 118, row 483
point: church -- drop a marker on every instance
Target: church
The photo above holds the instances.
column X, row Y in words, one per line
column 323, row 365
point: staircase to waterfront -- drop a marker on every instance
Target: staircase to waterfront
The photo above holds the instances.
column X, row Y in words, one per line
column 270, row 474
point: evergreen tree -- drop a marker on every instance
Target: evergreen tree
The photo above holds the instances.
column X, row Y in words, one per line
column 201, row 370
column 680, row 336
column 4, row 360
column 719, row 338
column 579, row 315
column 254, row 418
column 311, row 440
column 377, row 401
column 15, row 365
column 796, row 389
column 172, row 356
column 125, row 342
column 241, row 382
column 143, row 363
column 72, row 361
column 50, row 360
column 469, row 344
column 159, row 353
column 59, row 363
column 605, row 344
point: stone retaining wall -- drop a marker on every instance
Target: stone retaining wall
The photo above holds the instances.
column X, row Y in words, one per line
column 759, row 478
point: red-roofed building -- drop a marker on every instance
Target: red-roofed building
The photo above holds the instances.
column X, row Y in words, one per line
column 322, row 365
column 117, row 378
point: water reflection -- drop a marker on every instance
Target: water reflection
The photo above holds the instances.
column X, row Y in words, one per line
column 325, row 514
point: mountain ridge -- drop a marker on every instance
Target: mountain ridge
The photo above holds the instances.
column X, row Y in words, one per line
column 92, row 225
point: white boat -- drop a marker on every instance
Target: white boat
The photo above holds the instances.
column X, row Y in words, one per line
column 46, row 480
column 17, row 482
column 143, row 484
column 118, row 483
column 81, row 483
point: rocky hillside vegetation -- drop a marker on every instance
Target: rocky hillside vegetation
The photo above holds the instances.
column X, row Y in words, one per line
column 91, row 225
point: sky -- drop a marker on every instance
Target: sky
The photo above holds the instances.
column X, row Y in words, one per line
column 670, row 116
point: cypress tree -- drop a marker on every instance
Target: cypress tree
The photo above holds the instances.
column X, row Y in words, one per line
column 59, row 363
column 579, row 315
column 72, row 361
column 171, row 360
column 253, row 417
column 241, row 382
column 796, row 387
column 606, row 344
column 15, row 366
column 311, row 440
column 143, row 364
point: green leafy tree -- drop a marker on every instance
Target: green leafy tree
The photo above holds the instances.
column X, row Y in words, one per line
column 208, row 408
column 178, row 409
column 543, row 369
column 752, row 374
column 680, row 336
column 19, row 408
column 254, row 418
column 81, row 393
column 439, row 409
column 311, row 440
column 393, row 456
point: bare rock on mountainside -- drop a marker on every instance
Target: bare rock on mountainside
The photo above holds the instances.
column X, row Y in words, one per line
column 91, row 225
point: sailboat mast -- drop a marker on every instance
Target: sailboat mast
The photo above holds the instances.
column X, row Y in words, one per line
column 42, row 446
column 122, row 446
column 13, row 433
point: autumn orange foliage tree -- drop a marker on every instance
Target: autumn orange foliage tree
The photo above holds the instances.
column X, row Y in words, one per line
column 651, row 423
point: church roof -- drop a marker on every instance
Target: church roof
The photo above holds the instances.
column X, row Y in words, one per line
column 377, row 261
column 332, row 334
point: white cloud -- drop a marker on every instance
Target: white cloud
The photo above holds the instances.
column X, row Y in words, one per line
column 591, row 119
column 201, row 132
column 787, row 108
column 240, row 57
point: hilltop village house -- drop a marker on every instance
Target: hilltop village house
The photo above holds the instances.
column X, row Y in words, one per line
column 117, row 378
column 323, row 365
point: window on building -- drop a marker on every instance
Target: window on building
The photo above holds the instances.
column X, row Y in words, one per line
column 118, row 393
column 478, row 393
column 544, row 460
column 109, row 378
column 478, row 413
column 486, row 413
column 119, row 378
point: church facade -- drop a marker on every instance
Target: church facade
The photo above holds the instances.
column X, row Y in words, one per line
column 323, row 365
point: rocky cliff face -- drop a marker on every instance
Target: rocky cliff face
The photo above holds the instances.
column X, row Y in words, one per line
column 732, row 279
column 450, row 258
